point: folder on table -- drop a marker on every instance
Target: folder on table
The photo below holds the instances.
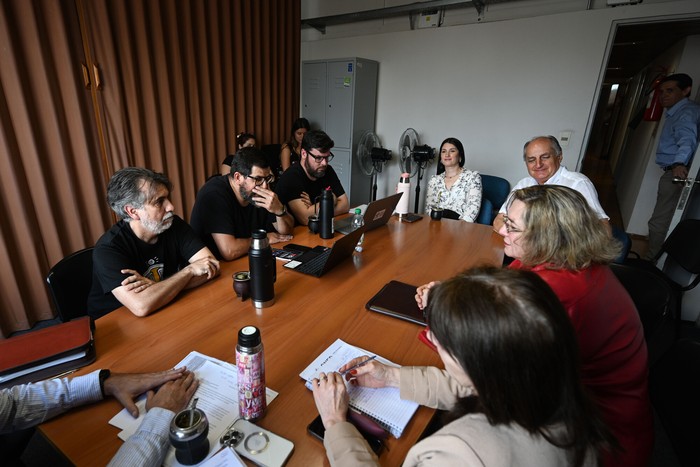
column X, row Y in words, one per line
column 46, row 352
column 397, row 299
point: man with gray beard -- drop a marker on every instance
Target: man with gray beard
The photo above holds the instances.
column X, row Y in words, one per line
column 150, row 255
column 230, row 207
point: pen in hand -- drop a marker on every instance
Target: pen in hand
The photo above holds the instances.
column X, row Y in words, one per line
column 357, row 365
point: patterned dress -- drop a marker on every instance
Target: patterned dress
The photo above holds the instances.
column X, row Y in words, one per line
column 463, row 197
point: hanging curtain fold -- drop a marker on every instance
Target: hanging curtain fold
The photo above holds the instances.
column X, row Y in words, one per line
column 89, row 87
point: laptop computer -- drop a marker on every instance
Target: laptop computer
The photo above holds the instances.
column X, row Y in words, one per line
column 320, row 260
column 376, row 215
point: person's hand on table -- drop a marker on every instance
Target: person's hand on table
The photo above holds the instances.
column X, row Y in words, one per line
column 135, row 282
column 372, row 374
column 125, row 387
column 173, row 395
column 422, row 293
column 331, row 398
column 207, row 266
column 275, row 237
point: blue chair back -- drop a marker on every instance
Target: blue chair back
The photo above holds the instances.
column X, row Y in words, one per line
column 486, row 212
column 496, row 190
column 621, row 236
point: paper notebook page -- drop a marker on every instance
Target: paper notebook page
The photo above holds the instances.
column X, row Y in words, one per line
column 384, row 404
column 335, row 356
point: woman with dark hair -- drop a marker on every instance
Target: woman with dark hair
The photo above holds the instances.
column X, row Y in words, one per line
column 456, row 189
column 291, row 149
column 552, row 231
column 511, row 381
column 243, row 140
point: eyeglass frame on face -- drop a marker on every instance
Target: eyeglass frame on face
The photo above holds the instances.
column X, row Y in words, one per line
column 507, row 223
column 320, row 159
column 260, row 180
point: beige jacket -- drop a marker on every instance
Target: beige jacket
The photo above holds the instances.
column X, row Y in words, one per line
column 467, row 441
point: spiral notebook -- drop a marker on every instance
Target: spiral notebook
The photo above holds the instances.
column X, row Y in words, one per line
column 383, row 405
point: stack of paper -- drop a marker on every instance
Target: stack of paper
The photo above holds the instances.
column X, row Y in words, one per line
column 218, row 398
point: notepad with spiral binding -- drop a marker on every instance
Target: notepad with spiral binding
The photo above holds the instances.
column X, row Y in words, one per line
column 383, row 405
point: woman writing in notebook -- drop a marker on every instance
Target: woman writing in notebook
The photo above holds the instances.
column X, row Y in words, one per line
column 511, row 381
column 552, row 231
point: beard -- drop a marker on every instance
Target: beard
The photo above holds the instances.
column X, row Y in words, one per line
column 156, row 227
column 246, row 195
column 318, row 173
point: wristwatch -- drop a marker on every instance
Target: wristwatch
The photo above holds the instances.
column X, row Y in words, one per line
column 104, row 374
column 284, row 211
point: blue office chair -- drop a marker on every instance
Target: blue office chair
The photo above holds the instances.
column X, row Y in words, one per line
column 621, row 236
column 486, row 214
column 496, row 190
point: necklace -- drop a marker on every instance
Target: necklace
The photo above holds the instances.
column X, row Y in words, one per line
column 453, row 176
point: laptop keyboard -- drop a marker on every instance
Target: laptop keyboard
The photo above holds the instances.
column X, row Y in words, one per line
column 315, row 265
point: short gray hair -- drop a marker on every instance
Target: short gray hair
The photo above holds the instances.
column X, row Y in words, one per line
column 553, row 144
column 126, row 188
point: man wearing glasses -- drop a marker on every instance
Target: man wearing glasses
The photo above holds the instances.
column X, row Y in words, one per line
column 230, row 207
column 301, row 184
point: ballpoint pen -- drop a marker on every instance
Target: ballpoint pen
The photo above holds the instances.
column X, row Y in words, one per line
column 357, row 365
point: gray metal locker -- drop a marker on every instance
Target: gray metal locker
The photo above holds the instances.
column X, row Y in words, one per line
column 339, row 97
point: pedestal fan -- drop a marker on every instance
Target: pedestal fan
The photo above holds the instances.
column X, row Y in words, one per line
column 414, row 158
column 371, row 158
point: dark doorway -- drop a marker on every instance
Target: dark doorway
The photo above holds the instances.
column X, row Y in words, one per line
column 634, row 47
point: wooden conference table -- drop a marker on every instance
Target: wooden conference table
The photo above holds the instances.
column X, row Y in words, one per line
column 308, row 315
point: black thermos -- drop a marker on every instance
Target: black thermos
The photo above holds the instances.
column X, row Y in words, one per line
column 263, row 272
column 325, row 214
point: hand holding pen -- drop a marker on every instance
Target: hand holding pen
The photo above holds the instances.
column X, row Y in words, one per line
column 368, row 372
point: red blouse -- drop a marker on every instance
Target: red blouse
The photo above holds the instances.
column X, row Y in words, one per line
column 613, row 354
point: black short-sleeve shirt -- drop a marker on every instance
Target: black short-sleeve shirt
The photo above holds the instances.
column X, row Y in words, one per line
column 294, row 181
column 119, row 248
column 217, row 210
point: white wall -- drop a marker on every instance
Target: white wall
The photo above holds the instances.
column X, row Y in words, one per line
column 492, row 84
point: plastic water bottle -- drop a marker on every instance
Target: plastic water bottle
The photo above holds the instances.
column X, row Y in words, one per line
column 357, row 222
column 402, row 187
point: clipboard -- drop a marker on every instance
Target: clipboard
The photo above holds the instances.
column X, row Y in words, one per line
column 397, row 299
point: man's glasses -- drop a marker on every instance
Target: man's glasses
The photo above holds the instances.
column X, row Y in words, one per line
column 509, row 226
column 320, row 159
column 260, row 180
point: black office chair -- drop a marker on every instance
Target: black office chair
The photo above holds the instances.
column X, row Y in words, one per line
column 681, row 268
column 69, row 284
column 272, row 154
column 655, row 302
column 674, row 385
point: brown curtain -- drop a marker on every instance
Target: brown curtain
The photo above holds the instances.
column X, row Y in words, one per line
column 89, row 87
